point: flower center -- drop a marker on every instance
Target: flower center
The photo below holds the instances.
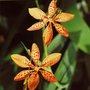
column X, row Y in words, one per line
column 50, row 20
column 36, row 69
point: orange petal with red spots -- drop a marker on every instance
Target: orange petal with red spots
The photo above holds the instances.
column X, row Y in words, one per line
column 48, row 34
column 51, row 59
column 33, row 81
column 22, row 75
column 48, row 76
column 36, row 13
column 35, row 53
column 21, row 61
column 61, row 30
column 52, row 8
column 36, row 26
column 63, row 17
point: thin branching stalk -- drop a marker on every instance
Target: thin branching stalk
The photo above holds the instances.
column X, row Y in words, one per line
column 37, row 3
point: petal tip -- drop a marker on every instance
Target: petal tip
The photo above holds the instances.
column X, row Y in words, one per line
column 73, row 15
column 29, row 29
column 59, row 55
column 13, row 55
column 34, row 44
column 29, row 9
column 67, row 35
column 55, row 80
column 15, row 79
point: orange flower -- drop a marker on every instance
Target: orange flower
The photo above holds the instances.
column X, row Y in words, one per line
column 32, row 75
column 51, row 18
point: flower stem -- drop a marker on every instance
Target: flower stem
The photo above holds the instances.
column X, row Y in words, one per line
column 25, row 84
column 44, row 45
column 37, row 3
column 46, row 54
column 55, row 0
column 25, row 87
column 45, row 50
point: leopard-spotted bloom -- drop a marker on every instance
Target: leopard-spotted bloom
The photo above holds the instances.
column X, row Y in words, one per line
column 32, row 73
column 48, row 20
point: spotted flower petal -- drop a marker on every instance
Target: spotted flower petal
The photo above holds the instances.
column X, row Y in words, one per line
column 48, row 76
column 35, row 53
column 21, row 61
column 36, row 26
column 33, row 81
column 48, row 34
column 63, row 17
column 22, row 75
column 51, row 59
column 36, row 13
column 52, row 8
column 61, row 30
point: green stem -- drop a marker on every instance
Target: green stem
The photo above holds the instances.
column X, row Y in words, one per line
column 25, row 87
column 45, row 50
column 56, row 0
column 37, row 3
column 26, row 49
column 25, row 84
column 49, row 68
column 46, row 54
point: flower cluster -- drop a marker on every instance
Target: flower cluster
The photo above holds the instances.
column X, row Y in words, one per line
column 54, row 17
column 32, row 73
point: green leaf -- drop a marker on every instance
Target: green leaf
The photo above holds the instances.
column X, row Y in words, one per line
column 79, row 30
column 65, row 69
column 25, row 48
column 1, row 87
column 56, row 43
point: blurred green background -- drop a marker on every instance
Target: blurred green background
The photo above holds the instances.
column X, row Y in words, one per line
column 73, row 71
